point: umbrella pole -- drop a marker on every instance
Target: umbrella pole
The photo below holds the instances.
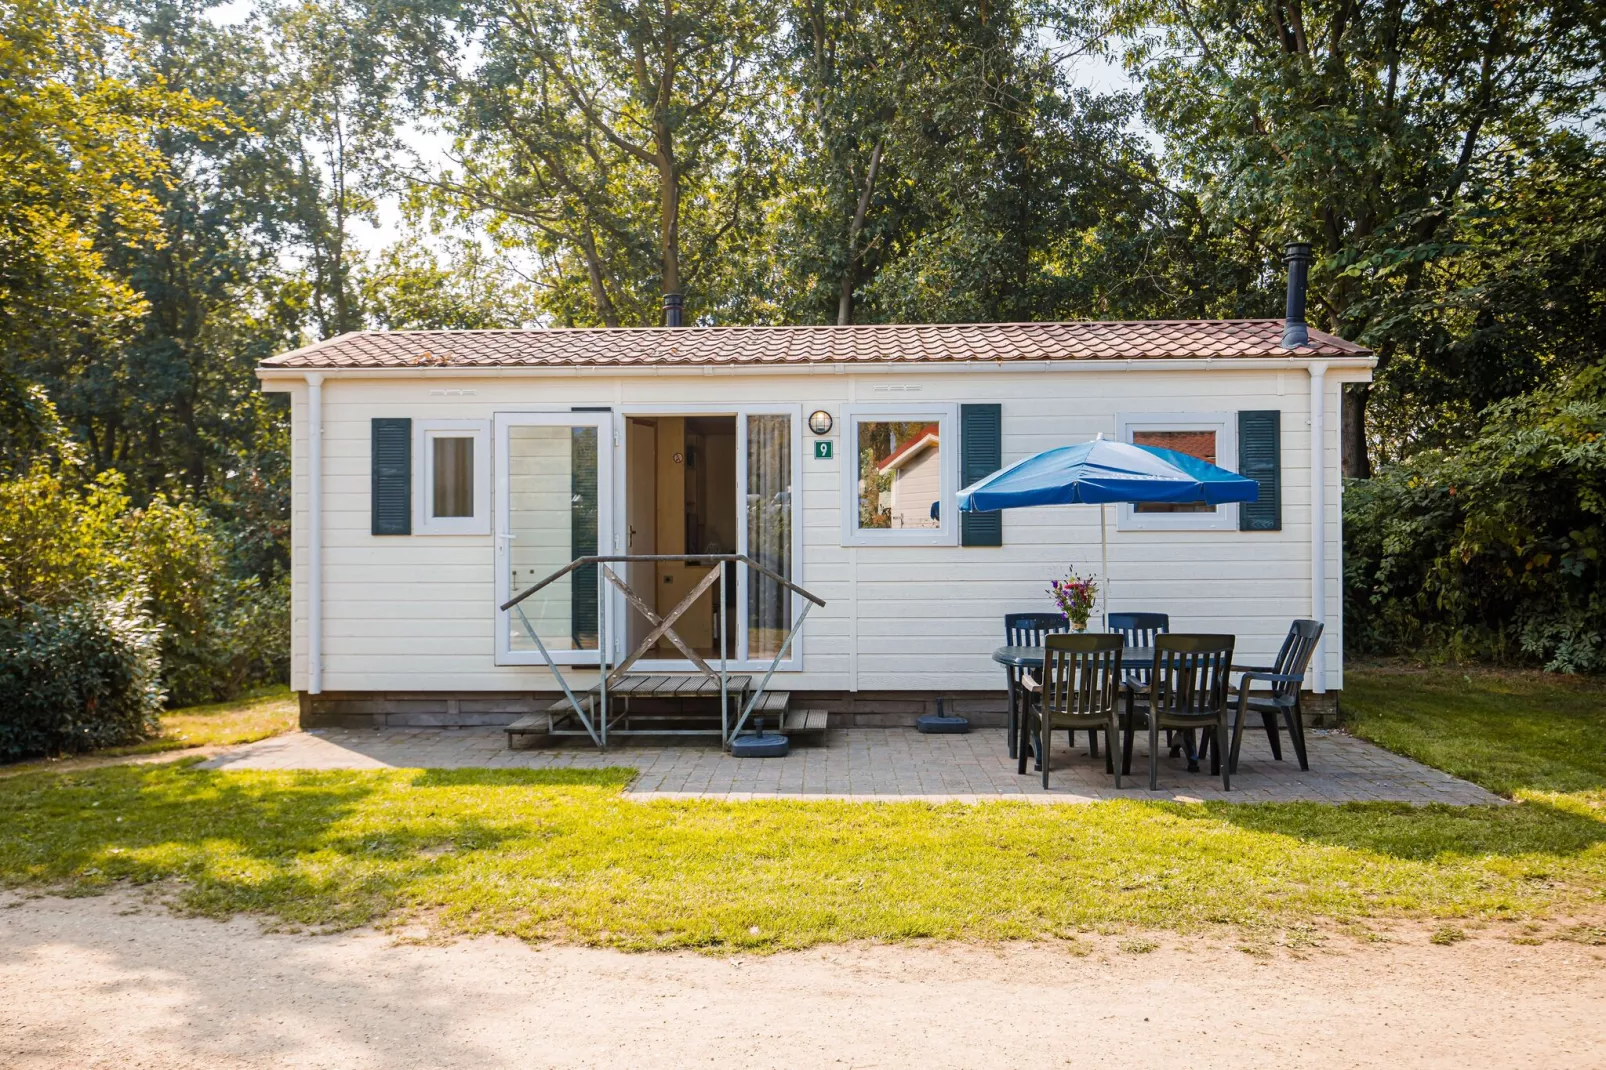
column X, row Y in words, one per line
column 1104, row 551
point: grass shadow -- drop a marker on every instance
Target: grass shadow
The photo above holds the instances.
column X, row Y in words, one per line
column 315, row 848
column 1420, row 833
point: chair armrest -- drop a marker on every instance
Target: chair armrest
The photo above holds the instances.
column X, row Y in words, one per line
column 1269, row 677
column 1030, row 682
column 1252, row 668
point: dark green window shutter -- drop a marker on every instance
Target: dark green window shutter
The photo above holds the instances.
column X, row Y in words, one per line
column 981, row 453
column 1260, row 457
column 392, row 476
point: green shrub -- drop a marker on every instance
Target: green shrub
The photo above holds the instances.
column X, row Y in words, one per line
column 219, row 633
column 77, row 677
column 62, row 543
column 1493, row 551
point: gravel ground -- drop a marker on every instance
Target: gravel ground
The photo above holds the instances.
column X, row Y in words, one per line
column 118, row 981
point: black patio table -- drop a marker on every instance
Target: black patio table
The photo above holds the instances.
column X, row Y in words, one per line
column 1031, row 657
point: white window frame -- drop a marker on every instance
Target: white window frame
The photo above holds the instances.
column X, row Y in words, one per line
column 1225, row 425
column 424, row 434
column 946, row 418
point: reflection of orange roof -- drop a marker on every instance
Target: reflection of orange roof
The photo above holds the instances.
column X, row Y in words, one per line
column 914, row 444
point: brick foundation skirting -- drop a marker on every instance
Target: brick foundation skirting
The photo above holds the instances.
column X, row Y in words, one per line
column 849, row 709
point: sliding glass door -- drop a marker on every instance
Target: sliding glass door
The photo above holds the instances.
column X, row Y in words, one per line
column 553, row 505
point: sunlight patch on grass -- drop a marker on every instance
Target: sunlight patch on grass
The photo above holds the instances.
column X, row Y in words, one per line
column 563, row 855
column 244, row 720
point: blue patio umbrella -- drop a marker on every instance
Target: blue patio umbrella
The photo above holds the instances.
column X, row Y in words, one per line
column 1103, row 471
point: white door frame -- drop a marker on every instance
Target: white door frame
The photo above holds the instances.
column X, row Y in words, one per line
column 793, row 662
column 606, row 525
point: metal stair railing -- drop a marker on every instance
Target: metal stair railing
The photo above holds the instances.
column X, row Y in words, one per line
column 662, row 628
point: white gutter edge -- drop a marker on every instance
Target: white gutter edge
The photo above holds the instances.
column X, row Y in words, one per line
column 314, row 382
column 1318, row 520
column 460, row 371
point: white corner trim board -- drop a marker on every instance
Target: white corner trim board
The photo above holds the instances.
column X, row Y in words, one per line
column 314, row 533
column 1318, row 519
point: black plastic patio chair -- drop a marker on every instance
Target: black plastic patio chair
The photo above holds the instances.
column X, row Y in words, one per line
column 1026, row 629
column 1187, row 690
column 1279, row 697
column 1139, row 630
column 1080, row 688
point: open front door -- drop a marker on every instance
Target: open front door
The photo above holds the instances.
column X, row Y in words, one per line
column 553, row 504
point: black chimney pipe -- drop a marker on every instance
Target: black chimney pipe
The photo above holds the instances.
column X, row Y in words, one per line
column 1297, row 257
column 672, row 307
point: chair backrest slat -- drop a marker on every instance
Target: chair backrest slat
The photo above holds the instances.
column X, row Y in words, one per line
column 1028, row 629
column 1140, row 628
column 1294, row 658
column 1082, row 676
column 1190, row 674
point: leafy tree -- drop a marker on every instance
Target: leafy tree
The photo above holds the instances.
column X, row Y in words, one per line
column 621, row 135
column 332, row 92
column 1378, row 129
column 78, row 132
column 945, row 170
column 409, row 287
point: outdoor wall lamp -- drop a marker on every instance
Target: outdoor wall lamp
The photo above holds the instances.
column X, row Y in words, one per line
column 820, row 422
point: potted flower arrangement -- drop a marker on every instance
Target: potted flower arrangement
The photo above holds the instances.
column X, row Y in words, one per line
column 1075, row 596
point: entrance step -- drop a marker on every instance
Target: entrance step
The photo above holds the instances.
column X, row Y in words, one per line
column 529, row 731
column 806, row 722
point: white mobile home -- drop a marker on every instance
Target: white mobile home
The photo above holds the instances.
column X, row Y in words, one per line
column 437, row 474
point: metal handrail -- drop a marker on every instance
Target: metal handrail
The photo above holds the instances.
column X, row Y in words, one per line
column 611, row 559
column 599, row 731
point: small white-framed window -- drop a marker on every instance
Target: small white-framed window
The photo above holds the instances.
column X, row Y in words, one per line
column 453, row 492
column 1209, row 436
column 900, row 475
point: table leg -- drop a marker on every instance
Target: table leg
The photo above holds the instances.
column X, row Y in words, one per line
column 1014, row 715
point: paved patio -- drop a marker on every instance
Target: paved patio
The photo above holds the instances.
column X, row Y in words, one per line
column 881, row 765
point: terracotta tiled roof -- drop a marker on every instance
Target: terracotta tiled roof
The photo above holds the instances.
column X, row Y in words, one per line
column 746, row 346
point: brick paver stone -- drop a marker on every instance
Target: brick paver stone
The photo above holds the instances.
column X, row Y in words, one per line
column 875, row 764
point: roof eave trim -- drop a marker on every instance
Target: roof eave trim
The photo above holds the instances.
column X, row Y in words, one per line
column 1266, row 363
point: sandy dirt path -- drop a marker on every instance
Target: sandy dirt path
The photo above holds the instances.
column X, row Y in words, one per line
column 109, row 982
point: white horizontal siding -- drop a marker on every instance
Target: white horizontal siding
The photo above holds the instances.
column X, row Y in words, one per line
column 417, row 613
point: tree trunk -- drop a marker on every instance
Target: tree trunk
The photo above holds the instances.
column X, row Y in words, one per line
column 850, row 272
column 1356, row 462
column 668, row 206
column 599, row 291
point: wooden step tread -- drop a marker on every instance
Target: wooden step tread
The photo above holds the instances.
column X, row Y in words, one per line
column 806, row 720
column 772, row 701
column 530, row 722
column 650, row 685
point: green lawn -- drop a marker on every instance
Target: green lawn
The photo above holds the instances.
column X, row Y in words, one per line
column 564, row 855
column 243, row 720
column 1514, row 733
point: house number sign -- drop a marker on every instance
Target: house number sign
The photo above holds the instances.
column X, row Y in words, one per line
column 822, row 449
